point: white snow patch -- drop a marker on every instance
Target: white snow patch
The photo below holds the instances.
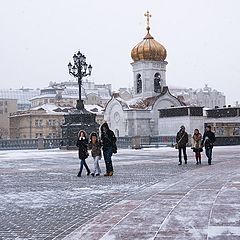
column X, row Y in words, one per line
column 214, row 231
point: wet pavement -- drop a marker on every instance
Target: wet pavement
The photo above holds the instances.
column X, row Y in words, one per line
column 149, row 196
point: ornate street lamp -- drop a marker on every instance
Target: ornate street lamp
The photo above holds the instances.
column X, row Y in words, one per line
column 79, row 118
column 79, row 69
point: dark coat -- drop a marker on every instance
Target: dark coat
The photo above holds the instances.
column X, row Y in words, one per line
column 82, row 145
column 108, row 139
column 182, row 139
column 208, row 139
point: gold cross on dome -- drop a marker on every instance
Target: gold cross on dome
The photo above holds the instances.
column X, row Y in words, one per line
column 148, row 15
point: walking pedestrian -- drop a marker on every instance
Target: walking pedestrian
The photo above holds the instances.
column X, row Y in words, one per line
column 197, row 145
column 182, row 140
column 82, row 144
column 109, row 147
column 208, row 141
column 95, row 147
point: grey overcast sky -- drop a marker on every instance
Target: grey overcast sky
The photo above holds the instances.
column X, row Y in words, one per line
column 39, row 37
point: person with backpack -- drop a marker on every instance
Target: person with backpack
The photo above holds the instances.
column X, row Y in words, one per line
column 208, row 141
column 108, row 141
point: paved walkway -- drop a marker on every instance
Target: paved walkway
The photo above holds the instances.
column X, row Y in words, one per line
column 149, row 197
column 201, row 204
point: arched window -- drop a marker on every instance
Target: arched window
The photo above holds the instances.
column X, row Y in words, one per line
column 157, row 83
column 139, row 83
column 117, row 133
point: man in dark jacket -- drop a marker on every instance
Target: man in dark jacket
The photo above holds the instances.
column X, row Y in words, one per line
column 182, row 140
column 207, row 142
column 108, row 140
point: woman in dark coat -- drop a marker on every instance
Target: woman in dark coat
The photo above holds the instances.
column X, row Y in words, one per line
column 208, row 141
column 108, row 140
column 82, row 144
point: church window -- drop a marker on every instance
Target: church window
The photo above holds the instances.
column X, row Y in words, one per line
column 117, row 133
column 157, row 82
column 139, row 83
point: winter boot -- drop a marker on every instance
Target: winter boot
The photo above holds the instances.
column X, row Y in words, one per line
column 106, row 174
column 111, row 173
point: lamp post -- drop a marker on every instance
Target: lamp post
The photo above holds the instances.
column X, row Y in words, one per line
column 79, row 118
column 79, row 70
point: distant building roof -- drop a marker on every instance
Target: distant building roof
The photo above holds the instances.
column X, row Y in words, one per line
column 22, row 95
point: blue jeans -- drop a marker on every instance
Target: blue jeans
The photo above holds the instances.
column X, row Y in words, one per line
column 83, row 163
column 107, row 154
column 209, row 155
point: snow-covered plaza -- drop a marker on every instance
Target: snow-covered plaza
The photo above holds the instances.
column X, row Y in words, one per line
column 149, row 196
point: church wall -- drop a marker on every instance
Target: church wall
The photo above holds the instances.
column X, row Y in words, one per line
column 163, row 102
column 116, row 118
column 169, row 126
column 139, row 123
column 147, row 70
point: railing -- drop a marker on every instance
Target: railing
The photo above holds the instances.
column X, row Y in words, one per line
column 15, row 144
column 147, row 141
column 122, row 142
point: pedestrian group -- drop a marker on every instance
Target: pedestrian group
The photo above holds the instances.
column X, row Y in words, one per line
column 106, row 143
column 198, row 143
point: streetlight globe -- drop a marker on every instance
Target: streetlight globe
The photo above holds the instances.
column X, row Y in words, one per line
column 75, row 58
column 90, row 69
column 69, row 66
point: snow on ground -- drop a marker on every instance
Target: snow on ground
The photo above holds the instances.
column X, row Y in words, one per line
column 149, row 196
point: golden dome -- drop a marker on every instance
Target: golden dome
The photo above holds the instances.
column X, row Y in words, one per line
column 148, row 48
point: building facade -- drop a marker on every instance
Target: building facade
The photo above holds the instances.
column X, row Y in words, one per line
column 65, row 94
column 204, row 97
column 39, row 122
column 44, row 121
column 170, row 120
column 46, row 116
column 7, row 106
column 22, row 96
column 225, row 121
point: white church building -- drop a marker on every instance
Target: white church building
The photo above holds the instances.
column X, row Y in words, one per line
column 139, row 116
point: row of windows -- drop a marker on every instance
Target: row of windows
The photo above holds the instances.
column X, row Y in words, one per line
column 50, row 101
column 5, row 111
column 3, row 103
column 213, row 102
column 50, row 122
column 50, row 135
column 157, row 83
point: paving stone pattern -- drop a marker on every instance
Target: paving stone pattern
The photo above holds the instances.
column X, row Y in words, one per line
column 149, row 196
